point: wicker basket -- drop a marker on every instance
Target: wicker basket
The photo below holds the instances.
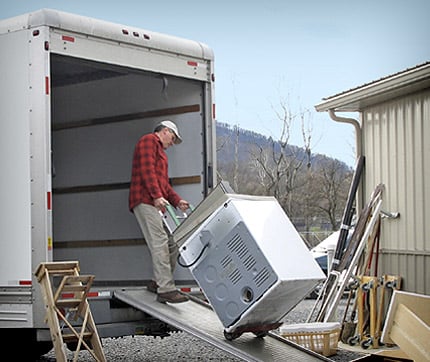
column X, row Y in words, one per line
column 319, row 337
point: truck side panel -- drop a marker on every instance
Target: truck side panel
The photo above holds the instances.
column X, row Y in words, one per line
column 15, row 221
column 25, row 184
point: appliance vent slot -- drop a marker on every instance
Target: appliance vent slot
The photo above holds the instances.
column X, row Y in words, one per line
column 235, row 276
column 261, row 277
column 233, row 272
column 225, row 262
column 238, row 246
column 249, row 262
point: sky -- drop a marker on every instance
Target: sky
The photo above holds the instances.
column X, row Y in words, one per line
column 279, row 52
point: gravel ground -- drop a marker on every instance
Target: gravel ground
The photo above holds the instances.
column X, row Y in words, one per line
column 182, row 346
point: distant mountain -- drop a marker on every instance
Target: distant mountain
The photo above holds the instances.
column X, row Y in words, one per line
column 229, row 136
column 311, row 188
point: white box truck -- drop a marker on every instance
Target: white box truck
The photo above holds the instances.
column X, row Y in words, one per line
column 76, row 95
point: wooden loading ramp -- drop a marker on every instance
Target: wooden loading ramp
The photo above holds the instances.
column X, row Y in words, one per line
column 199, row 320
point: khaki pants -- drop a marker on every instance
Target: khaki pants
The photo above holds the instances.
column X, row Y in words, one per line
column 163, row 250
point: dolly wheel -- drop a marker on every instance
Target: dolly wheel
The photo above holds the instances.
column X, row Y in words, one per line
column 231, row 336
column 261, row 334
column 366, row 343
column 352, row 341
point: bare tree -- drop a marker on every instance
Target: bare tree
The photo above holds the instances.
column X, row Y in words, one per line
column 305, row 117
column 317, row 185
column 333, row 190
column 278, row 165
column 224, row 144
column 236, row 159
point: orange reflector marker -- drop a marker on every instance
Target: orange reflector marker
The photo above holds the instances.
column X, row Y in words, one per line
column 68, row 38
column 190, row 290
column 72, row 295
column 67, row 295
column 47, row 85
column 48, row 200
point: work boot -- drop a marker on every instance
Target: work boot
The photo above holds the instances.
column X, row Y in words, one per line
column 171, row 297
column 152, row 286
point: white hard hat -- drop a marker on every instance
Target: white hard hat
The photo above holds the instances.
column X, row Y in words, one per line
column 169, row 124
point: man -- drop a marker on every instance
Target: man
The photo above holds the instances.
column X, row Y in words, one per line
column 150, row 192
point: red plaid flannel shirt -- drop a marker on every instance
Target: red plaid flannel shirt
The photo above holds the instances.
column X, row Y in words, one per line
column 150, row 176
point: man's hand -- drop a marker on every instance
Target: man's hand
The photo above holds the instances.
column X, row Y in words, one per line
column 183, row 205
column 161, row 203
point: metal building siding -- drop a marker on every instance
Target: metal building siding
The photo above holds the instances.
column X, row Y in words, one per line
column 395, row 143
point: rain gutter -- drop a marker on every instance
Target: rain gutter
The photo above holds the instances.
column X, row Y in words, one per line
column 356, row 125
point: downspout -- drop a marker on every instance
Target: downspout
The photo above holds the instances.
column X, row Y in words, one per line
column 356, row 125
column 359, row 150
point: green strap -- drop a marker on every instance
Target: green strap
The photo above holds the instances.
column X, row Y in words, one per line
column 170, row 209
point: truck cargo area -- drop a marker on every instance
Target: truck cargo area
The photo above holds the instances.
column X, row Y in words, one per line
column 99, row 111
